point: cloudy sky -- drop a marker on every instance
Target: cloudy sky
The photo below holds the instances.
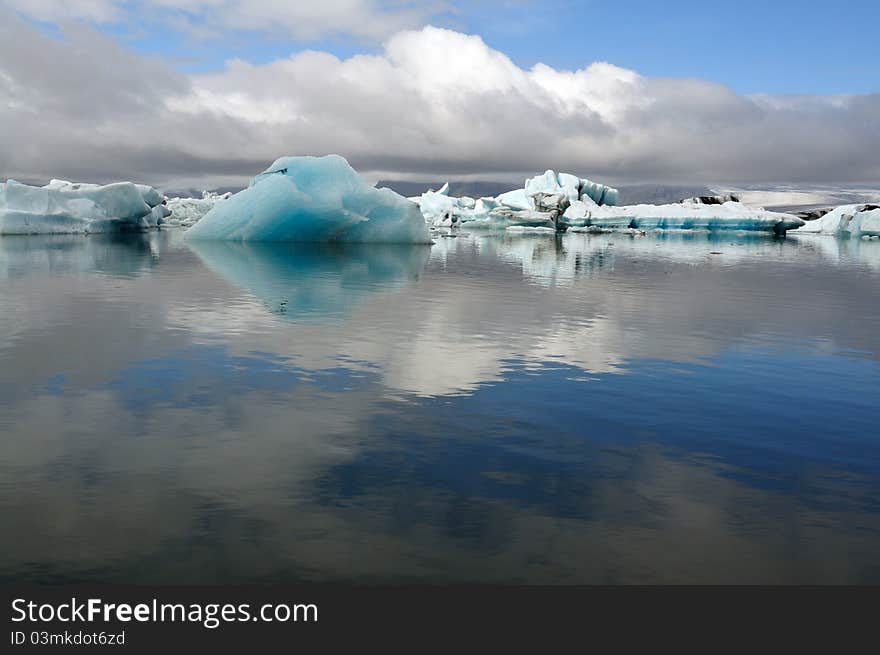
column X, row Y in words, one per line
column 208, row 92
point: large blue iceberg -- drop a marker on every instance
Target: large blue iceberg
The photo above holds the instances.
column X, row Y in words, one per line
column 313, row 199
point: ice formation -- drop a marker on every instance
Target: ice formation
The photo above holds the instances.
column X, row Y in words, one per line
column 313, row 199
column 685, row 216
column 846, row 221
column 561, row 201
column 63, row 207
column 186, row 212
column 540, row 203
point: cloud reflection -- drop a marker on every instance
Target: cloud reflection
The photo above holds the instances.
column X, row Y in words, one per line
column 463, row 413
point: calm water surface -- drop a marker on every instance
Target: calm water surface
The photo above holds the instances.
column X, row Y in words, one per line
column 601, row 409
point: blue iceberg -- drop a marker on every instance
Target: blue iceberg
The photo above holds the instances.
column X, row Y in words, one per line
column 313, row 199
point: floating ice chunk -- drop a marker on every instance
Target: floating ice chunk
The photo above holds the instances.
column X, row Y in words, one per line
column 441, row 210
column 846, row 221
column 728, row 216
column 564, row 201
column 313, row 199
column 519, row 206
column 541, row 209
column 436, row 206
column 186, row 212
column 63, row 207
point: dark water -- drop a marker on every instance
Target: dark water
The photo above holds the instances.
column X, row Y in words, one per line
column 520, row 409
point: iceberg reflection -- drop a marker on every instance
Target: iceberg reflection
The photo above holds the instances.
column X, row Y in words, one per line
column 116, row 254
column 321, row 280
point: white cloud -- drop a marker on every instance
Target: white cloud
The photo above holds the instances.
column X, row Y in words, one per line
column 52, row 11
column 365, row 19
column 432, row 103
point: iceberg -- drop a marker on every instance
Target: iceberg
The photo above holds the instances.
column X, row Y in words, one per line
column 437, row 206
column 313, row 199
column 689, row 216
column 562, row 201
column 186, row 212
column 63, row 207
column 846, row 221
column 539, row 204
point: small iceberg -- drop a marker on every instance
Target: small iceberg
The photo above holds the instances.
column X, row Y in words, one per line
column 313, row 199
column 186, row 212
column 729, row 215
column 63, row 207
column 846, row 221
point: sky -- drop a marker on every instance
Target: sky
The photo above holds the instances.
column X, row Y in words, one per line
column 209, row 92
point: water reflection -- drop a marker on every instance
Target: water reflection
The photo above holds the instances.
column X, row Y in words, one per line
column 503, row 300
column 593, row 408
column 557, row 259
column 444, row 336
column 324, row 281
column 112, row 254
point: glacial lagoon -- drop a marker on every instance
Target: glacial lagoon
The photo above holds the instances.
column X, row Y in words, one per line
column 537, row 408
